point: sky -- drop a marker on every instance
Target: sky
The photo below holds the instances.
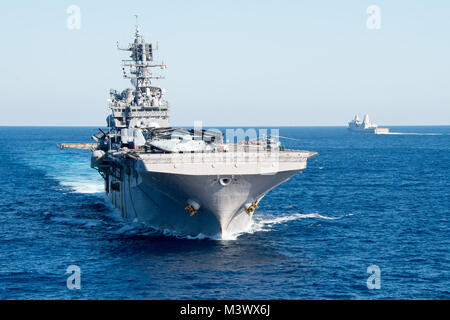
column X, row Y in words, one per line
column 231, row 63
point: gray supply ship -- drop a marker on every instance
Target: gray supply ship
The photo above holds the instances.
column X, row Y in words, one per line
column 188, row 181
column 365, row 126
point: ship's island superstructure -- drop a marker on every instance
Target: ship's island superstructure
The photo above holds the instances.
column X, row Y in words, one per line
column 187, row 181
column 365, row 126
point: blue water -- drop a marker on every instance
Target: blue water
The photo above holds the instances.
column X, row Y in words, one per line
column 375, row 199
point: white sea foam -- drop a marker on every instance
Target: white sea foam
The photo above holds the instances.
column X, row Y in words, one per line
column 265, row 224
column 295, row 216
column 83, row 186
column 88, row 223
column 228, row 236
column 129, row 229
column 200, row 236
column 413, row 133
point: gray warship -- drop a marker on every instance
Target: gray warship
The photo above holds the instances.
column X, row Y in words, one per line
column 365, row 126
column 190, row 182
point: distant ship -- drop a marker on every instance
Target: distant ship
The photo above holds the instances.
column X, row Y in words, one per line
column 365, row 126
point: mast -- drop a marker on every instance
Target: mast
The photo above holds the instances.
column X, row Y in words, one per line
column 144, row 107
column 139, row 66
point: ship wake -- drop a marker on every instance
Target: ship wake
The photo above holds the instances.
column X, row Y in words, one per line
column 411, row 133
column 266, row 223
column 89, row 187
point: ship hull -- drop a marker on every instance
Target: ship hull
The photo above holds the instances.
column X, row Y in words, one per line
column 160, row 200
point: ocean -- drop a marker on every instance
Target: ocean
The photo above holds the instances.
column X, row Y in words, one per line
column 366, row 202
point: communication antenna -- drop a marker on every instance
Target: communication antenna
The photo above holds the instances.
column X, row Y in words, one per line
column 137, row 25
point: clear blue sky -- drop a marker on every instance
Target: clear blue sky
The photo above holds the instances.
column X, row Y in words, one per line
column 232, row 63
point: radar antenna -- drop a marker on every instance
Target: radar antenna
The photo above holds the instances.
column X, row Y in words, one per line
column 144, row 105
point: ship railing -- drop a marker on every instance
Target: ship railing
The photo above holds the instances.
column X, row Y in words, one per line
column 229, row 157
column 147, row 113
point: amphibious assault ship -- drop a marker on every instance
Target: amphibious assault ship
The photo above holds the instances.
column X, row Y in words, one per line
column 365, row 126
column 187, row 181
